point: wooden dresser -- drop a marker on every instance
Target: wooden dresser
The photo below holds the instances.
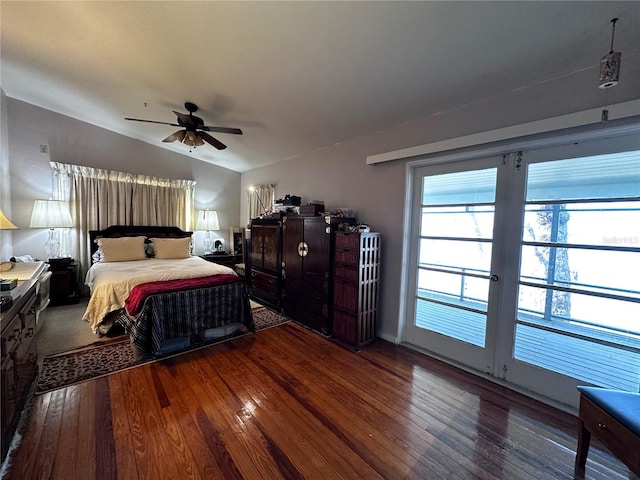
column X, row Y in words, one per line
column 356, row 273
column 19, row 357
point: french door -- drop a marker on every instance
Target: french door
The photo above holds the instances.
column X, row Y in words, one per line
column 524, row 265
column 457, row 276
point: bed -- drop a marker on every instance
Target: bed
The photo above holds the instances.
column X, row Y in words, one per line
column 145, row 280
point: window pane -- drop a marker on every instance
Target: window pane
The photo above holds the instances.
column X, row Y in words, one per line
column 587, row 361
column 461, row 188
column 601, row 176
column 454, row 289
column 463, row 221
column 541, row 304
column 456, row 255
column 610, row 224
column 594, row 270
column 463, row 325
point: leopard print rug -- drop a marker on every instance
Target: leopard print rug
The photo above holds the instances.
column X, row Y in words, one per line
column 68, row 368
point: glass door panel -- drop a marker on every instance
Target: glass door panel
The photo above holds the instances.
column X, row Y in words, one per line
column 454, row 228
column 578, row 307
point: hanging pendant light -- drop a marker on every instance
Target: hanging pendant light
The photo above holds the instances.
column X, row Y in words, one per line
column 610, row 63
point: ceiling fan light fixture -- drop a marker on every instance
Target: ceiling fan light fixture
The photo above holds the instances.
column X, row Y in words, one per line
column 194, row 130
column 190, row 139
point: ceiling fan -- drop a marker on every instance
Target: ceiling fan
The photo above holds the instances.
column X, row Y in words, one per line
column 194, row 131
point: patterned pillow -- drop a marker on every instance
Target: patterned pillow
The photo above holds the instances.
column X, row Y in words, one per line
column 170, row 248
column 122, row 249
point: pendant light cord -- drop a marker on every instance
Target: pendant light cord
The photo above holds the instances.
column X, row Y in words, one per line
column 613, row 32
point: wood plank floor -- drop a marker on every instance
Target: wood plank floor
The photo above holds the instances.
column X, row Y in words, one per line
column 285, row 403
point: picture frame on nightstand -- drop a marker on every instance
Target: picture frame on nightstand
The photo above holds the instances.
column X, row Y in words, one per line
column 236, row 240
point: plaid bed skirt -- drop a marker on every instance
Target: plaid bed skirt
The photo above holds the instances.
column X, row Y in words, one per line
column 186, row 313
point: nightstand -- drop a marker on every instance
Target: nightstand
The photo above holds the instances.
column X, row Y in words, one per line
column 64, row 288
column 227, row 259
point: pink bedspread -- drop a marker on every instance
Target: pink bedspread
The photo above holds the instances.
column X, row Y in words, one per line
column 139, row 293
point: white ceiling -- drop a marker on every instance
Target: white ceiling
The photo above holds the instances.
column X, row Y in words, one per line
column 294, row 76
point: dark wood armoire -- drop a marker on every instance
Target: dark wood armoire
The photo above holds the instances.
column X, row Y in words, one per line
column 265, row 256
column 306, row 257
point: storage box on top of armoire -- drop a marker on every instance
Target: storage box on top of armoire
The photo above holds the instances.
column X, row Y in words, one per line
column 311, row 209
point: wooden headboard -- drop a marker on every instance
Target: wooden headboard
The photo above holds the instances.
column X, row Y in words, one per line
column 116, row 231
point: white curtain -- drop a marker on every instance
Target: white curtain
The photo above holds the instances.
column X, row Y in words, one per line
column 99, row 198
column 261, row 200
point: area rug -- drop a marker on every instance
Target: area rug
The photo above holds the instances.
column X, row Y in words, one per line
column 95, row 361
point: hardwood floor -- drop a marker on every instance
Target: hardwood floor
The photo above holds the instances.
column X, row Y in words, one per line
column 287, row 403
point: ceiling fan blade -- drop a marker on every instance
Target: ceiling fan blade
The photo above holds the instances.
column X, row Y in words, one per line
column 212, row 141
column 184, row 120
column 235, row 131
column 179, row 135
column 152, row 121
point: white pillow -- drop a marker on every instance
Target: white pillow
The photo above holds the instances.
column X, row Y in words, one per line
column 122, row 249
column 170, row 248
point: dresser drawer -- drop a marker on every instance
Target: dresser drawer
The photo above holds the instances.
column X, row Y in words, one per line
column 265, row 285
column 345, row 326
column 344, row 240
column 11, row 336
column 263, row 279
column 345, row 296
column 345, row 273
column 350, row 257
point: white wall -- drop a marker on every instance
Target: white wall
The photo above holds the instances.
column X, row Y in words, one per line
column 340, row 176
column 6, row 236
column 75, row 142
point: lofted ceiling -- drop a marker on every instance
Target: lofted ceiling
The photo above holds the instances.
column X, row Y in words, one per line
column 296, row 77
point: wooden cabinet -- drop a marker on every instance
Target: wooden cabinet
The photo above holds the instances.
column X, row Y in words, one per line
column 265, row 256
column 356, row 272
column 306, row 257
column 19, row 359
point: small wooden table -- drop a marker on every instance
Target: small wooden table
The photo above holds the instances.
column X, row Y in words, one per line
column 613, row 416
column 227, row 259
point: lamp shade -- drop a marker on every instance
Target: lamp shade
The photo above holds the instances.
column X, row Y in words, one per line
column 5, row 223
column 50, row 214
column 207, row 220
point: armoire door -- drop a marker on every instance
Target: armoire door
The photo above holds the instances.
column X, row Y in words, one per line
column 257, row 246
column 306, row 250
column 270, row 241
column 265, row 246
column 315, row 265
column 293, row 249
